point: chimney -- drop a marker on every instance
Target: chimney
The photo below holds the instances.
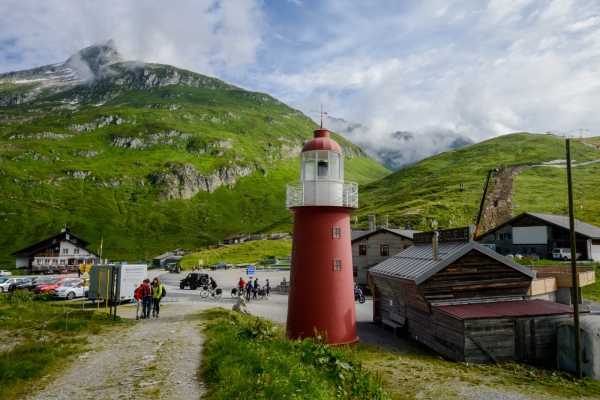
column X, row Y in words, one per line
column 372, row 223
column 434, row 243
column 384, row 223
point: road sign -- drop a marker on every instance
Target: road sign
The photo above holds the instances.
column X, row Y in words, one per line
column 250, row 270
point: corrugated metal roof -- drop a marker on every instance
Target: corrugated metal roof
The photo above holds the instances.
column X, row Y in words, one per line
column 417, row 264
column 561, row 221
column 517, row 308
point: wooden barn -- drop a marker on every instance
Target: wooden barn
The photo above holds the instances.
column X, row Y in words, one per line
column 466, row 301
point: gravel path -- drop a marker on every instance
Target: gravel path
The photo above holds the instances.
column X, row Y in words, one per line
column 154, row 358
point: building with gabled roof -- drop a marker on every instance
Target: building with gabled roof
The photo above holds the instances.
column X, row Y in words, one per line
column 61, row 251
column 449, row 293
column 538, row 234
column 370, row 248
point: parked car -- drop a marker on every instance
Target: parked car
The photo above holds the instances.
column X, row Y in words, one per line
column 48, row 272
column 50, row 286
column 63, row 272
column 29, row 286
column 4, row 272
column 564, row 254
column 70, row 290
column 13, row 286
column 219, row 265
column 6, row 283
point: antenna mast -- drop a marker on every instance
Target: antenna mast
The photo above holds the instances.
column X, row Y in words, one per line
column 321, row 113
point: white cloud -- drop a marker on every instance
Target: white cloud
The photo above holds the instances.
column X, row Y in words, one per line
column 478, row 68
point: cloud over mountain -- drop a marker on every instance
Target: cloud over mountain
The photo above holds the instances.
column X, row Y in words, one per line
column 395, row 150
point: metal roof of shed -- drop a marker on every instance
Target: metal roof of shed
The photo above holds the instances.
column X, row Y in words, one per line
column 417, row 264
column 517, row 308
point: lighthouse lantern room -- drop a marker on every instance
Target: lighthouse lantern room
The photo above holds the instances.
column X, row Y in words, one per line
column 321, row 295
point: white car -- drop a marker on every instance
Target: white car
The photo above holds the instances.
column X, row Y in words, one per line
column 5, row 283
column 70, row 290
column 564, row 254
column 4, row 272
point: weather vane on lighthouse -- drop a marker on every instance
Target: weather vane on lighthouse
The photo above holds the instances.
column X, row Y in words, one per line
column 321, row 113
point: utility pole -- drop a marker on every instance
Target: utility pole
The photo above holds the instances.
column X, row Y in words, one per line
column 485, row 188
column 574, row 265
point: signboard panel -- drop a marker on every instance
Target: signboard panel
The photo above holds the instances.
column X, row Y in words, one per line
column 455, row 235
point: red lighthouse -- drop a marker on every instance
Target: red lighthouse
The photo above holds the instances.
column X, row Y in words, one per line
column 321, row 279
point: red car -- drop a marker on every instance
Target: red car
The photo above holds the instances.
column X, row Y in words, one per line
column 63, row 272
column 50, row 286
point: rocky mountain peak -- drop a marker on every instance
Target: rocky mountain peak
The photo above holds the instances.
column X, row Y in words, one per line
column 97, row 56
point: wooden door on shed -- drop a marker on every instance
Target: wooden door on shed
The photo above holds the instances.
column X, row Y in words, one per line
column 536, row 340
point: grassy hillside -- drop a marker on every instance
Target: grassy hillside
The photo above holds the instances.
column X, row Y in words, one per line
column 150, row 158
column 247, row 252
column 429, row 193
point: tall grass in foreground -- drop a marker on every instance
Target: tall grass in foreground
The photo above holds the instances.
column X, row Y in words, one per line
column 248, row 357
column 24, row 357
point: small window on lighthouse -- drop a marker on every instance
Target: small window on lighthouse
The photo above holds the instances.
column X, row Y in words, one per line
column 309, row 166
column 337, row 265
column 334, row 166
column 294, row 249
column 337, row 233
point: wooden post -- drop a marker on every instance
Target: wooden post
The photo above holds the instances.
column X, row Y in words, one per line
column 574, row 266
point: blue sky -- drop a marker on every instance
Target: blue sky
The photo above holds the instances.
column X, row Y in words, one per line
column 479, row 68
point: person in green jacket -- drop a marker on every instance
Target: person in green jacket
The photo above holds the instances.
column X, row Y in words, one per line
column 156, row 296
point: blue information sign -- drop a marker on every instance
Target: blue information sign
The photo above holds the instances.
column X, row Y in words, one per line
column 250, row 270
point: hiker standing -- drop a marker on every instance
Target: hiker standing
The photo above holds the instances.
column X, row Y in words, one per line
column 137, row 294
column 268, row 289
column 156, row 296
column 146, row 298
column 248, row 289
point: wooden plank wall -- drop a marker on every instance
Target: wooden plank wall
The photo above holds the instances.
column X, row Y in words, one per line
column 448, row 335
column 497, row 335
column 475, row 276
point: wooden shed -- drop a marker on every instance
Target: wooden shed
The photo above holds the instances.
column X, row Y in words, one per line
column 465, row 301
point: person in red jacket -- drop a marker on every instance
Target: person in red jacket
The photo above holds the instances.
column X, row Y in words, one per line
column 138, row 298
column 146, row 299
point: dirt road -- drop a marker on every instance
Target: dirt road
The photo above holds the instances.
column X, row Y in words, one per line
column 154, row 358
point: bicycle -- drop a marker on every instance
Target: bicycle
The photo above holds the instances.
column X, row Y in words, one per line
column 238, row 292
column 216, row 293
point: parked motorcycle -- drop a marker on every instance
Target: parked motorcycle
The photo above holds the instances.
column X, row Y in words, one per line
column 359, row 296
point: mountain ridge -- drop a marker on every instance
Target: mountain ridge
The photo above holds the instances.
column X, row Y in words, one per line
column 151, row 157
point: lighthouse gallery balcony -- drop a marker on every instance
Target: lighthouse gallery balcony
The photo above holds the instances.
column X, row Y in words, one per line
column 322, row 193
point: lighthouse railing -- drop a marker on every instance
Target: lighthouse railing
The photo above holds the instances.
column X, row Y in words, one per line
column 322, row 193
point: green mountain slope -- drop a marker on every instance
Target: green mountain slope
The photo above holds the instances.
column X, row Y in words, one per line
column 149, row 157
column 445, row 190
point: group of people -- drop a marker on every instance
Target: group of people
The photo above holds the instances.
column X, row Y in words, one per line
column 251, row 288
column 148, row 296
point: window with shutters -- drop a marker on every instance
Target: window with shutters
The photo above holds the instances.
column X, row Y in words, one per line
column 362, row 249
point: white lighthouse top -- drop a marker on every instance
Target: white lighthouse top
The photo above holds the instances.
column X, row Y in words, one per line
column 322, row 176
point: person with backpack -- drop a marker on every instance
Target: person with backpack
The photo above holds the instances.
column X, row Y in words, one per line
column 157, row 295
column 146, row 299
column 255, row 290
column 249, row 289
column 137, row 295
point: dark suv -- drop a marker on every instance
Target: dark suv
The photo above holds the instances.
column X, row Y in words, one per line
column 193, row 280
column 219, row 265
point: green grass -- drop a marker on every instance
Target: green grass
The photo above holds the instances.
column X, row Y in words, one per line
column 244, row 354
column 429, row 193
column 247, row 252
column 422, row 373
column 118, row 200
column 22, row 360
